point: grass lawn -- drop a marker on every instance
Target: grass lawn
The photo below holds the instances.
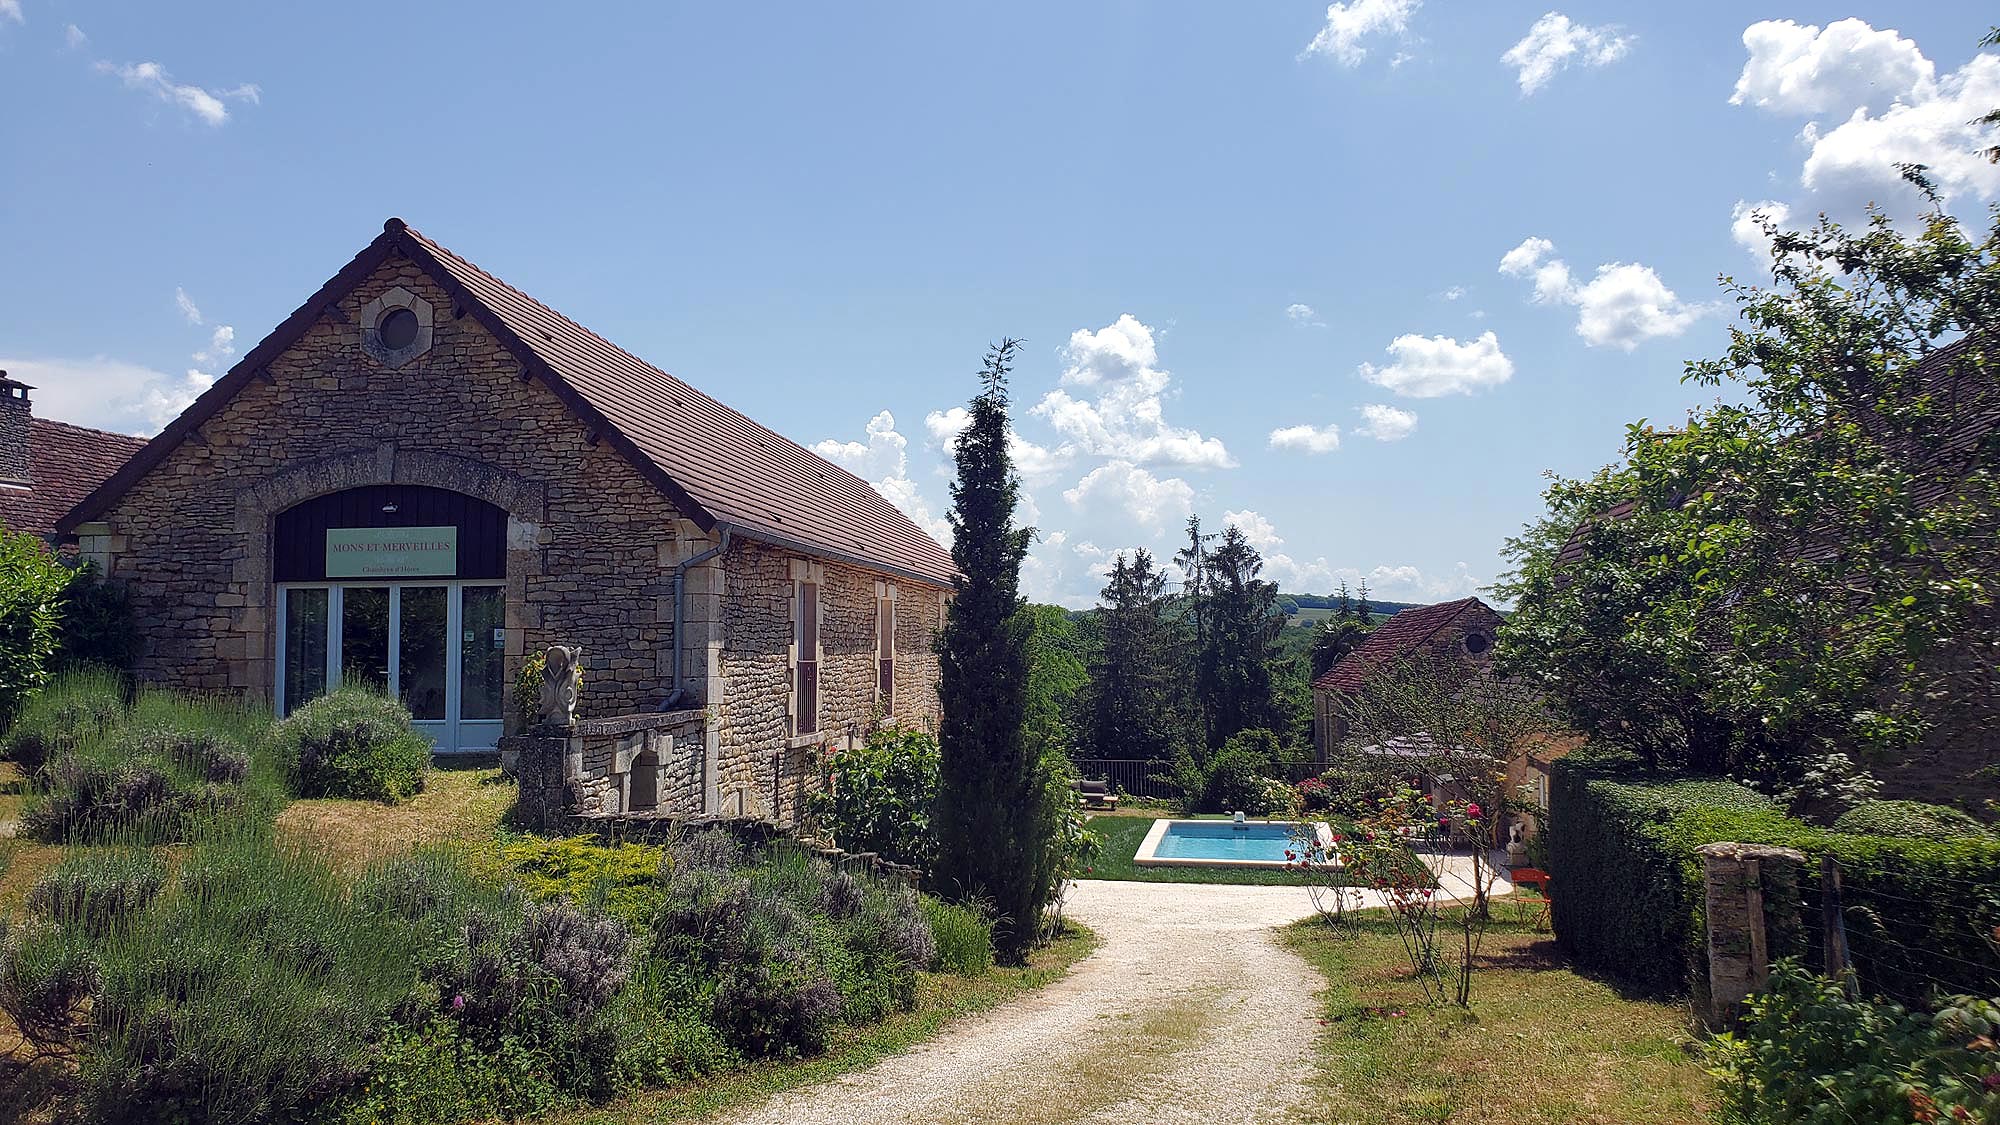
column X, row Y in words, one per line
column 1540, row 1043
column 458, row 803
column 1125, row 829
column 941, row 999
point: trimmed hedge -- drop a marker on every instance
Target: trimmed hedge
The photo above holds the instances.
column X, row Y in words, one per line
column 1913, row 819
column 1629, row 896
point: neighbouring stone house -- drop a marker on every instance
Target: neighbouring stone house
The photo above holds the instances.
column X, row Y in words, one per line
column 424, row 475
column 47, row 466
column 1461, row 632
column 1457, row 634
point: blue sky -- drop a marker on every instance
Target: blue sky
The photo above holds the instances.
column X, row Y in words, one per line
column 1353, row 277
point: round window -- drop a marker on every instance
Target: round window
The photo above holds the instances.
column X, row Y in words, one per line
column 1476, row 643
column 397, row 329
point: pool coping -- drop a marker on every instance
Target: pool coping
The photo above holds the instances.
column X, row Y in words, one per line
column 1146, row 857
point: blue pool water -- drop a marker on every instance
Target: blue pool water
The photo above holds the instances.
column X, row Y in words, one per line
column 1221, row 839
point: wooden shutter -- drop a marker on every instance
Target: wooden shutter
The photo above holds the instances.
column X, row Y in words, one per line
column 806, row 689
column 885, row 654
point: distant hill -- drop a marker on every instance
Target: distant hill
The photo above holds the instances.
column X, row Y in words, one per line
column 1312, row 609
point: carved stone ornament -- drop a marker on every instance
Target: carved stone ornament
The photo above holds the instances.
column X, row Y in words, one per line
column 562, row 675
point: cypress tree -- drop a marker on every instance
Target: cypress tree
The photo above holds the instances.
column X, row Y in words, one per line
column 990, row 818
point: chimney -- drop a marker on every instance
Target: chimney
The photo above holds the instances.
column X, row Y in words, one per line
column 16, row 416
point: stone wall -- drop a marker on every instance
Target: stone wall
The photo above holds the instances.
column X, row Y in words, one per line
column 761, row 769
column 608, row 767
column 587, row 535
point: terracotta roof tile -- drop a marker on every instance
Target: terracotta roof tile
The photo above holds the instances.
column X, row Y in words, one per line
column 720, row 467
column 1395, row 638
column 744, row 474
column 65, row 463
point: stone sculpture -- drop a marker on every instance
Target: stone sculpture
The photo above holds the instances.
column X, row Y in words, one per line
column 562, row 676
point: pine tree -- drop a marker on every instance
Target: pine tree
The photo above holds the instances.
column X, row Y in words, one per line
column 1193, row 561
column 1344, row 603
column 1133, row 702
column 1363, row 612
column 990, row 816
column 1243, row 623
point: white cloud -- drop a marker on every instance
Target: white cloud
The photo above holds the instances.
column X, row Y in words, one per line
column 1127, row 418
column 221, row 349
column 1386, row 423
column 1304, row 314
column 1430, row 366
column 1348, row 24
column 1258, row 530
column 151, row 78
column 1555, row 43
column 187, row 306
column 11, row 9
column 1805, row 71
column 1125, row 487
column 1312, row 439
column 883, row 461
column 1453, row 293
column 106, row 393
column 1746, row 225
column 1882, row 106
column 74, row 37
column 1624, row 304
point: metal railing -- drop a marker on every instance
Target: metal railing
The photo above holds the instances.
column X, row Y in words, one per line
column 1152, row 780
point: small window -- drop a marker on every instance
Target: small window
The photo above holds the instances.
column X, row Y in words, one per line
column 805, row 642
column 885, row 654
column 397, row 329
column 1477, row 643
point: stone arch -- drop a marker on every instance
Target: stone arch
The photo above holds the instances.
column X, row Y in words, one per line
column 257, row 507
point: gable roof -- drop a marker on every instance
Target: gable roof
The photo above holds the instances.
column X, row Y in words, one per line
column 719, row 467
column 1395, row 638
column 65, row 463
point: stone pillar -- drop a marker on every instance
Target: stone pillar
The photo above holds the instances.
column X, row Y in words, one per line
column 541, row 763
column 1752, row 898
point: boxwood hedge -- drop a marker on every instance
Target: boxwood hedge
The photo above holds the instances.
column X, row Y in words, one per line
column 1920, row 914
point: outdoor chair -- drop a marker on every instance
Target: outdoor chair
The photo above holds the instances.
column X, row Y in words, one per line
column 1095, row 794
column 1532, row 877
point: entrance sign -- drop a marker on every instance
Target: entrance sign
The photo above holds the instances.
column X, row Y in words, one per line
column 391, row 552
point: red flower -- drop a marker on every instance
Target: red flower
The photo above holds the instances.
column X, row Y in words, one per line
column 1472, row 811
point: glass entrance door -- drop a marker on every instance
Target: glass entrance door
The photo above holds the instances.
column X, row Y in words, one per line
column 441, row 644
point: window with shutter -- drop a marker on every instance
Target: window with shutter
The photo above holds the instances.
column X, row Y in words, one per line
column 805, row 638
column 885, row 654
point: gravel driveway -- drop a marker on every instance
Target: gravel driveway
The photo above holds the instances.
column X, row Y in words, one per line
column 1188, row 1009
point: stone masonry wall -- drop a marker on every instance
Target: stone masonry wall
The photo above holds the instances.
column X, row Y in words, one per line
column 588, row 536
column 754, row 721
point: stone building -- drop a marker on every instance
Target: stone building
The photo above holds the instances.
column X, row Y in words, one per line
column 424, row 475
column 1461, row 631
column 47, row 466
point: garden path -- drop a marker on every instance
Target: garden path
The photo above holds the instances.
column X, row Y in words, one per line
column 1189, row 1008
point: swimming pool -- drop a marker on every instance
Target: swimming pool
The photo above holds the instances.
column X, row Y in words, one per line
column 1221, row 843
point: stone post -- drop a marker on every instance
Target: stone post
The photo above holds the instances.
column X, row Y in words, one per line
column 541, row 763
column 1752, row 896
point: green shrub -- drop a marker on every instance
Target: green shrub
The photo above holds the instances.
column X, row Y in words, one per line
column 964, row 939
column 1238, row 774
column 355, row 743
column 95, row 624
column 158, row 774
column 1629, row 897
column 31, row 592
column 1806, row 1052
column 250, row 991
column 881, row 796
column 74, row 708
column 98, row 888
column 619, row 879
column 1911, row 819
